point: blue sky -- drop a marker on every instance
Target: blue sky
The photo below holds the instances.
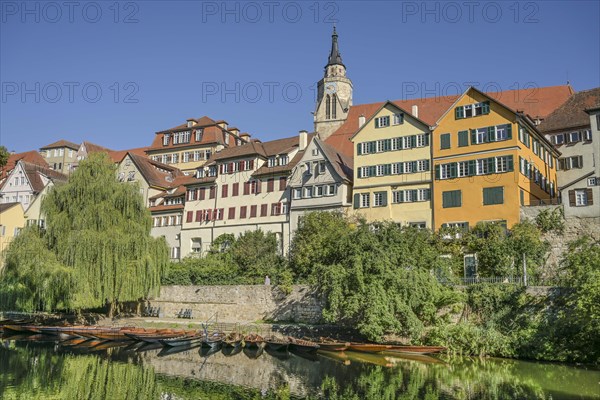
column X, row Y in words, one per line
column 115, row 75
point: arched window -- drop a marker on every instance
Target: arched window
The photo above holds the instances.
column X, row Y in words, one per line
column 334, row 107
column 327, row 107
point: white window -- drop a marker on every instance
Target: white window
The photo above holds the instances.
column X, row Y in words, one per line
column 398, row 119
column 165, row 221
column 408, row 167
column 379, row 146
column 319, row 191
column 444, row 171
column 574, row 137
column 308, row 192
column 378, row 199
column 363, row 172
column 558, row 139
column 423, row 194
column 462, row 169
column 307, row 170
column 468, row 109
column 174, row 252
column 365, row 200
column 284, row 159
column 501, row 164
column 502, row 132
column 196, row 245
column 382, row 122
column 186, row 156
column 55, row 152
column 481, row 167
column 297, row 193
column 380, row 170
column 581, row 198
column 166, row 139
column 421, row 141
column 331, row 190
column 364, row 148
column 587, row 135
column 70, row 153
column 271, row 162
column 592, row 181
column 225, row 168
column 131, row 175
column 175, row 158
column 396, row 168
column 406, row 142
column 410, row 196
column 315, row 152
column 199, row 135
column 121, row 176
column 165, row 158
column 422, row 165
column 397, row 196
column 322, row 167
column 480, row 135
column 396, row 143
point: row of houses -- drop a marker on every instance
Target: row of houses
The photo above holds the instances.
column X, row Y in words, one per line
column 435, row 162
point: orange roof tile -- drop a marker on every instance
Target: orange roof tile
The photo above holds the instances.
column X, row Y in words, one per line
column 32, row 157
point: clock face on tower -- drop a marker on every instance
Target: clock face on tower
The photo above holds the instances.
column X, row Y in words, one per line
column 330, row 88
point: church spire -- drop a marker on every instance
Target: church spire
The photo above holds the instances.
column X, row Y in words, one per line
column 335, row 58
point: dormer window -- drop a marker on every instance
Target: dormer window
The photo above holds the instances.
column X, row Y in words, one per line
column 190, row 124
column 199, row 133
column 398, row 119
column 200, row 173
column 382, row 122
column 212, row 171
column 284, row 159
column 166, row 138
column 271, row 162
column 307, row 170
column 226, row 137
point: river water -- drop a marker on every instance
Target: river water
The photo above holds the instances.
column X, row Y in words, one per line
column 50, row 370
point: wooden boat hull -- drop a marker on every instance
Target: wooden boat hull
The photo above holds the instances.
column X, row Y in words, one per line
column 369, row 348
column 303, row 345
column 22, row 328
column 229, row 351
column 276, row 345
column 415, row 349
column 183, row 341
column 151, row 338
column 333, row 346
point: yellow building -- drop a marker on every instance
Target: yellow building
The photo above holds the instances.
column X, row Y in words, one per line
column 12, row 220
column 488, row 160
column 392, row 168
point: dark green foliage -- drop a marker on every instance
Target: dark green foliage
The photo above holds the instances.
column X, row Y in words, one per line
column 230, row 261
column 4, row 154
column 97, row 243
column 551, row 220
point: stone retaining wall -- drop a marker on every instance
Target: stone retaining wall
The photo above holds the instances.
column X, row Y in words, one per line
column 241, row 303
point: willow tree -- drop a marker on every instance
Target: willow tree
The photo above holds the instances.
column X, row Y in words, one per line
column 98, row 232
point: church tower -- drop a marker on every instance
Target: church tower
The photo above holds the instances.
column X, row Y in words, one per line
column 334, row 94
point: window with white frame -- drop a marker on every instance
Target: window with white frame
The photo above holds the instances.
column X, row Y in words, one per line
column 574, row 137
column 199, row 133
column 462, row 169
column 481, row 166
column 297, row 193
column 396, row 144
column 175, row 158
column 481, row 135
column 406, row 144
column 378, row 199
column 284, row 159
column 397, row 196
column 444, row 171
column 501, row 164
column 502, row 132
column 422, row 165
column 408, row 167
column 322, row 167
column 382, row 122
column 365, row 200
column 331, row 190
column 308, row 192
column 421, row 140
column 380, row 170
column 186, row 156
column 396, row 168
column 271, row 162
column 319, row 191
column 131, row 176
column 581, row 197
column 398, row 119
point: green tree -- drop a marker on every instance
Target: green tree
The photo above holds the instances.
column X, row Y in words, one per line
column 4, row 154
column 494, row 258
column 526, row 240
column 99, row 231
column 256, row 254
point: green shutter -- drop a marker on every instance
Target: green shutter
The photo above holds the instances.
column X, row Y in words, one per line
column 491, row 165
column 372, row 170
column 413, row 141
column 511, row 164
column 437, row 172
column 491, row 134
column 427, row 165
column 356, row 200
column 359, row 149
column 457, row 198
column 473, row 136
column 486, row 196
column 387, row 169
column 414, row 166
column 453, row 173
column 413, row 195
column 509, row 131
column 472, row 168
column 372, row 147
column 401, row 196
column 463, row 138
column 485, row 109
column 426, row 139
column 384, row 199
column 387, row 144
column 445, row 141
column 459, row 112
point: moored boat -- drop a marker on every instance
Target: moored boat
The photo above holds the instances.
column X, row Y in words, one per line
column 22, row 328
column 276, row 344
column 302, row 345
column 415, row 349
column 253, row 341
column 213, row 340
column 234, row 339
column 331, row 345
column 369, row 347
column 183, row 341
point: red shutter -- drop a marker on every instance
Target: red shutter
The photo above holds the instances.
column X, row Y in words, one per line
column 198, row 215
column 258, row 186
column 190, row 216
column 246, row 187
column 264, row 210
column 252, row 211
column 572, row 201
column 212, row 193
column 202, row 193
column 243, row 211
column 235, row 189
column 240, row 165
column 231, row 213
column 270, row 185
column 230, row 169
column 590, row 197
column 209, row 215
column 224, row 191
column 282, row 183
column 221, row 168
column 251, row 166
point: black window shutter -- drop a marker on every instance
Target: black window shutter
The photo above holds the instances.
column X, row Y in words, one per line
column 572, row 201
column 590, row 197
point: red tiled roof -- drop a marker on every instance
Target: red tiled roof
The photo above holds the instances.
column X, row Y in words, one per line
column 342, row 164
column 32, row 157
column 95, row 148
column 154, row 172
column 537, row 103
column 34, row 172
column 118, row 155
column 572, row 113
column 61, row 143
column 7, row 206
column 173, row 207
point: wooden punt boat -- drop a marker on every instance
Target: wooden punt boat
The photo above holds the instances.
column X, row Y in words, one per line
column 22, row 328
column 276, row 344
column 153, row 337
column 232, row 340
column 183, row 341
column 303, row 345
column 253, row 352
column 253, row 341
column 209, row 351
column 376, row 359
column 213, row 340
column 330, row 345
column 280, row 355
column 369, row 347
column 229, row 351
column 415, row 349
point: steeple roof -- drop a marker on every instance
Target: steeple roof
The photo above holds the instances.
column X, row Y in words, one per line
column 335, row 58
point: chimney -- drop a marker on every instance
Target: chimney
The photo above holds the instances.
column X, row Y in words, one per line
column 415, row 111
column 303, row 140
column 361, row 120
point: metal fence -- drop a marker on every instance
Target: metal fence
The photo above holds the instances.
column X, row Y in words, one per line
column 509, row 280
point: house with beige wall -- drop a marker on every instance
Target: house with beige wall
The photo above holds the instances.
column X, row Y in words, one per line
column 11, row 222
column 320, row 181
column 574, row 130
column 392, row 168
column 61, row 156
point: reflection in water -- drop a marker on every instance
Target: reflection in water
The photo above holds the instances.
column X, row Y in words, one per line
column 45, row 370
